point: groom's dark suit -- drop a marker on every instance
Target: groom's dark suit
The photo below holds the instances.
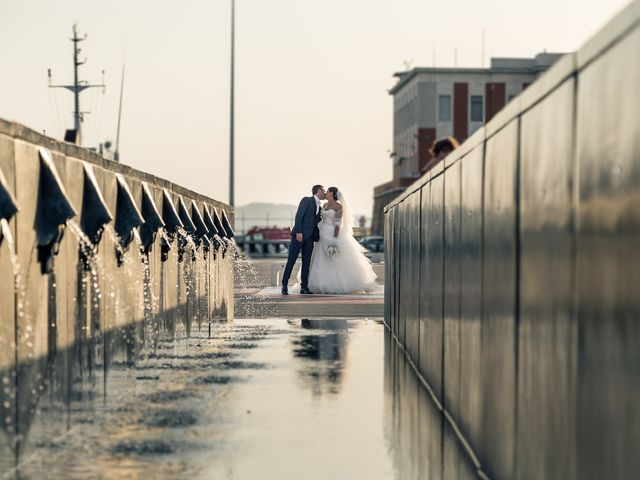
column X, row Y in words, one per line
column 307, row 218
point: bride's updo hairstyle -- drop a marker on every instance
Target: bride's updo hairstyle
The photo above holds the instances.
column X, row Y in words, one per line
column 334, row 192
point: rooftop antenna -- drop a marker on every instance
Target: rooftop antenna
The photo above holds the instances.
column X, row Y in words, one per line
column 78, row 86
column 116, row 154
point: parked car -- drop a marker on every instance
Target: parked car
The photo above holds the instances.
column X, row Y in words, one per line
column 373, row 243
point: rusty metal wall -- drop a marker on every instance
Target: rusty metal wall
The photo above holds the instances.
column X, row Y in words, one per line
column 526, row 329
column 67, row 333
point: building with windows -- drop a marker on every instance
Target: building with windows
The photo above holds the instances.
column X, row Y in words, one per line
column 431, row 103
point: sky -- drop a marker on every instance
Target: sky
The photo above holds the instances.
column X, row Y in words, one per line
column 312, row 79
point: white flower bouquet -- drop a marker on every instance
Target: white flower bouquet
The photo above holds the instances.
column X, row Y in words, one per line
column 333, row 251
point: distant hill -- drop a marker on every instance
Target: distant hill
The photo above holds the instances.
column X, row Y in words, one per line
column 268, row 215
column 264, row 215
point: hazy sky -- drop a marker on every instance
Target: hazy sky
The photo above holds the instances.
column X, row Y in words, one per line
column 312, row 79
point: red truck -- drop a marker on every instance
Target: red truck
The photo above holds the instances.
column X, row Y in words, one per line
column 269, row 233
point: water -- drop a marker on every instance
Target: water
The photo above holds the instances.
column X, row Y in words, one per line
column 186, row 245
column 18, row 286
column 268, row 398
column 151, row 305
column 248, row 281
column 90, row 271
column 7, row 236
column 8, row 342
column 71, row 369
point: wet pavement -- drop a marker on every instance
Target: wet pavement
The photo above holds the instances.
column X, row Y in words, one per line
column 272, row 398
column 256, row 296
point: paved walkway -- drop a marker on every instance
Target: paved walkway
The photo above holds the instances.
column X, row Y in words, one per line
column 264, row 399
column 269, row 302
column 255, row 297
column 297, row 386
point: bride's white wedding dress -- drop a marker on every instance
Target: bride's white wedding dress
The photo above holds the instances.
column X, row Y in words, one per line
column 338, row 265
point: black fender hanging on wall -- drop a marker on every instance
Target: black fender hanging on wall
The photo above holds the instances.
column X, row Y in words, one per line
column 201, row 233
column 128, row 217
column 95, row 213
column 152, row 220
column 172, row 224
column 8, row 206
column 52, row 211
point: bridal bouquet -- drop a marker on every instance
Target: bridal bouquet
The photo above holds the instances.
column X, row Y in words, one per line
column 333, row 251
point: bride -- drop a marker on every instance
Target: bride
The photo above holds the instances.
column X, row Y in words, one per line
column 338, row 264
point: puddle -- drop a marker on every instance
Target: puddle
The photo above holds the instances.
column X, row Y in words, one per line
column 216, row 380
column 146, row 447
column 169, row 419
column 311, row 399
column 168, row 397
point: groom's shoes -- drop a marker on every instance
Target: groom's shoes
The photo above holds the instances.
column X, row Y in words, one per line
column 305, row 291
column 285, row 290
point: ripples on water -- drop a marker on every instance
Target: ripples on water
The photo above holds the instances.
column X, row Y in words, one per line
column 169, row 405
column 299, row 399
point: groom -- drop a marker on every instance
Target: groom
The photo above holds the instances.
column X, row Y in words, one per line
column 304, row 234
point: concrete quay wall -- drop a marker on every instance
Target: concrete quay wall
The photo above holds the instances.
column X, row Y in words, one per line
column 73, row 312
column 512, row 274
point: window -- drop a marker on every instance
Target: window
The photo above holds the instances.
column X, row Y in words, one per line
column 476, row 108
column 444, row 108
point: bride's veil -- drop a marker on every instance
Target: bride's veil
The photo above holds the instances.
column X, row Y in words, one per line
column 347, row 217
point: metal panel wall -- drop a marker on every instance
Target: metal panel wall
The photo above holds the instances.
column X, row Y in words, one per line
column 388, row 266
column 417, row 268
column 425, row 202
column 404, row 287
column 435, row 293
column 608, row 264
column 547, row 340
column 413, row 237
column 541, row 372
column 471, row 292
column 396, row 273
column 451, row 311
column 499, row 327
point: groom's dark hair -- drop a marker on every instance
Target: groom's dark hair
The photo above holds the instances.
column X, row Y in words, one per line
column 315, row 189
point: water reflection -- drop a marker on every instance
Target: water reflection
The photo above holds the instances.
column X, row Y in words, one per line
column 235, row 403
column 322, row 355
column 419, row 441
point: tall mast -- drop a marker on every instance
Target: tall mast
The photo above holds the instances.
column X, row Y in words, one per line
column 78, row 85
column 76, row 91
column 116, row 155
column 232, row 108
